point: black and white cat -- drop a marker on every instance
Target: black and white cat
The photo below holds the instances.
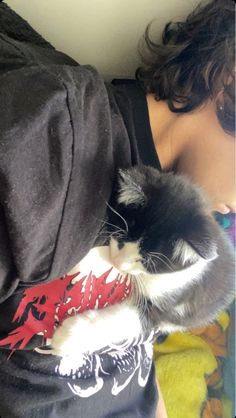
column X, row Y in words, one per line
column 181, row 264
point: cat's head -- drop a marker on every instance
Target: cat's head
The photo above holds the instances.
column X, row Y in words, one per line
column 161, row 223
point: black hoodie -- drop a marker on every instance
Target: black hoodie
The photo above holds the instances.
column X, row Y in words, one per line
column 63, row 134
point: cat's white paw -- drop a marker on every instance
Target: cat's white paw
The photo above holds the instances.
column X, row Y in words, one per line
column 75, row 337
column 94, row 330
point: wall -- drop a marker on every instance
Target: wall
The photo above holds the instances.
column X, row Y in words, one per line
column 103, row 33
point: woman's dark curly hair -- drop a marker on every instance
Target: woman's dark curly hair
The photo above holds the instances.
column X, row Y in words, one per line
column 194, row 62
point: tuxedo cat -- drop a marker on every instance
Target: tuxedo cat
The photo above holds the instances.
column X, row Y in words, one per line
column 161, row 232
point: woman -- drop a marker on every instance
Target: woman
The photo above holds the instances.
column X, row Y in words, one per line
column 189, row 80
column 63, row 135
column 190, row 84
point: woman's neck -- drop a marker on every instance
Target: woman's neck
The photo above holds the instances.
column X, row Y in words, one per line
column 164, row 127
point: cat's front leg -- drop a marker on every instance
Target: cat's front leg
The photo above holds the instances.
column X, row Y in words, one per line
column 94, row 330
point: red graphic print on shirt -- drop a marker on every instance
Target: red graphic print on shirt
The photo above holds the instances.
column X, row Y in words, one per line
column 44, row 307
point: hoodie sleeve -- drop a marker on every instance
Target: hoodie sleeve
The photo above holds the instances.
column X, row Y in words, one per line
column 56, row 169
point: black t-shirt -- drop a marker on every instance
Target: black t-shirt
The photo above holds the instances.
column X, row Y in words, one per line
column 63, row 134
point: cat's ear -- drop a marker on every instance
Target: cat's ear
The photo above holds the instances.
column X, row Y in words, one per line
column 201, row 236
column 130, row 191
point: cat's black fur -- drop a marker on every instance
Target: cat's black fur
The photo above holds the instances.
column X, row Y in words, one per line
column 161, row 210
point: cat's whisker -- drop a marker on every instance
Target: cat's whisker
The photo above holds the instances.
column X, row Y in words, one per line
column 109, row 223
column 107, row 235
column 147, row 261
column 140, row 300
column 161, row 255
column 118, row 233
column 117, row 213
column 151, row 264
column 166, row 264
column 136, row 290
column 163, row 261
